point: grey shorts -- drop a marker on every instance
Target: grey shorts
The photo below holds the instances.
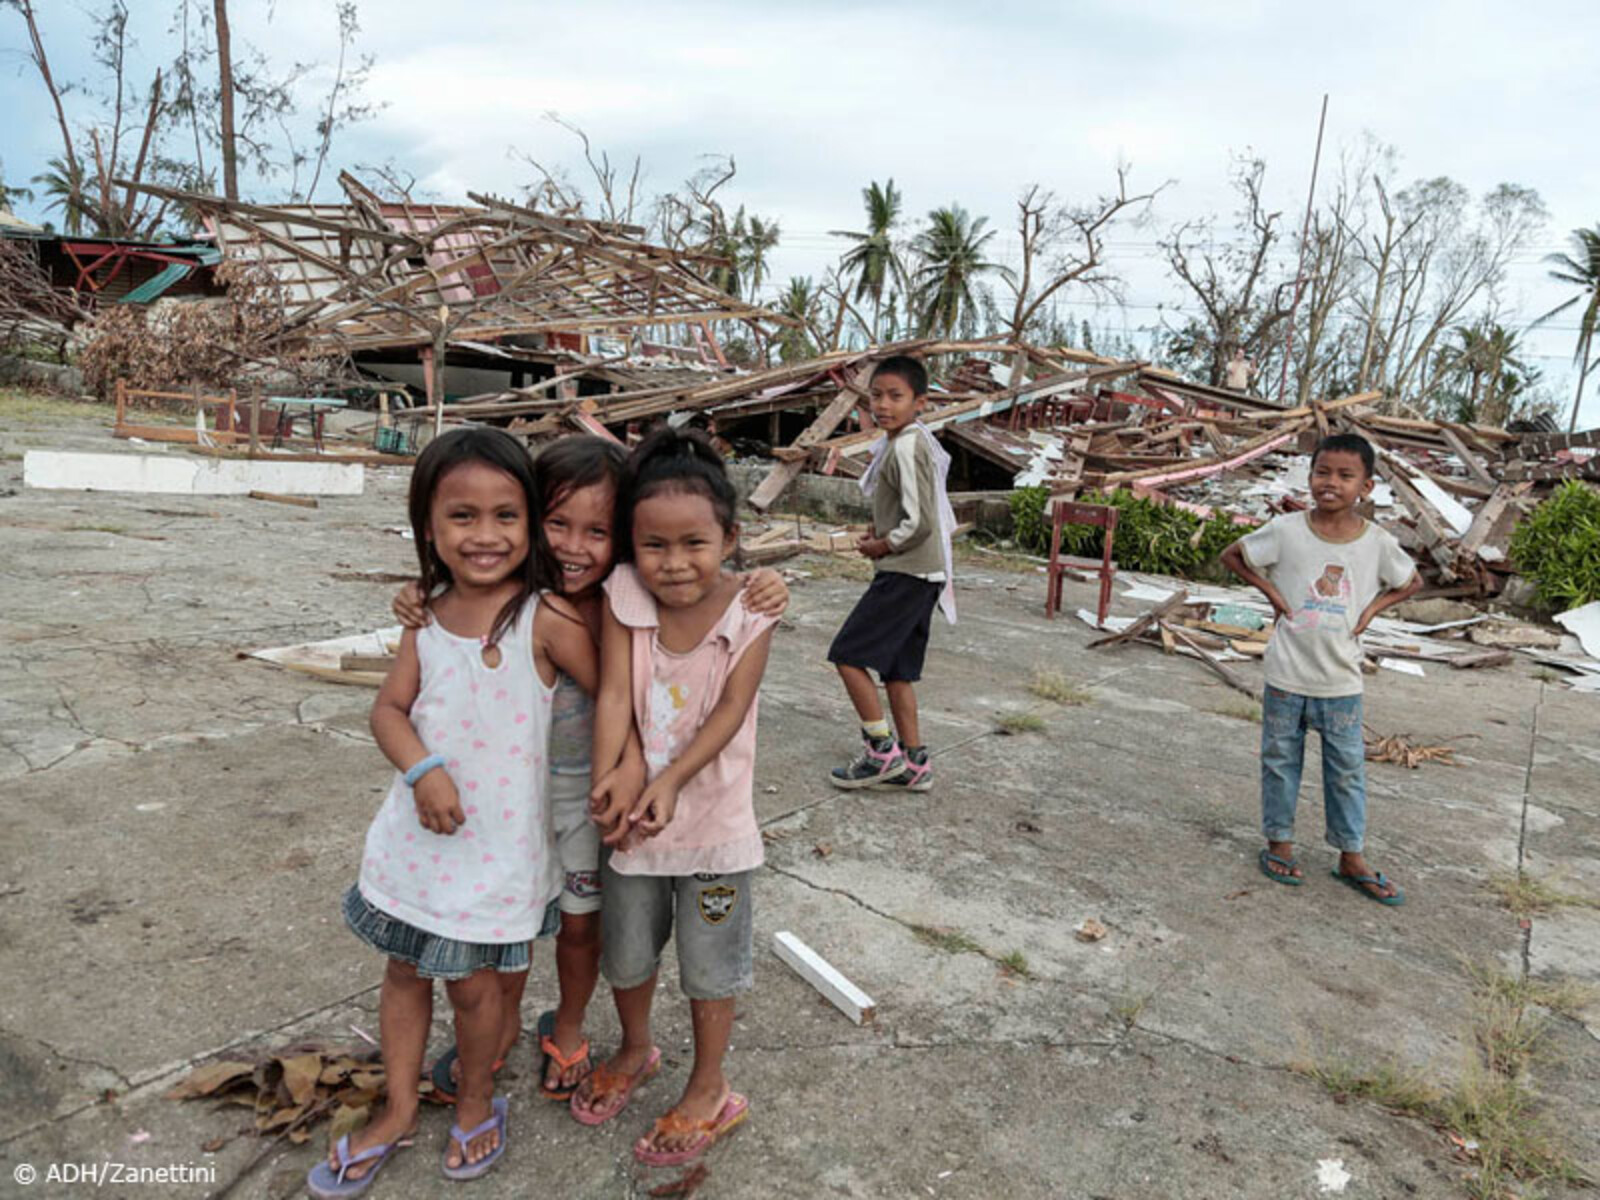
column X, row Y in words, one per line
column 577, row 843
column 714, row 930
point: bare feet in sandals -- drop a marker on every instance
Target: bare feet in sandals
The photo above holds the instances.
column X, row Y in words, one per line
column 607, row 1089
column 1354, row 870
column 389, row 1126
column 1279, row 860
column 566, row 1052
column 470, row 1113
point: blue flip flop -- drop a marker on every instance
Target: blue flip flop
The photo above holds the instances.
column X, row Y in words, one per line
column 497, row 1120
column 325, row 1183
column 1362, row 882
column 1288, row 864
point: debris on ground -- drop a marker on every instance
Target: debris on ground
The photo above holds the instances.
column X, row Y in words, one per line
column 1399, row 749
column 293, row 1088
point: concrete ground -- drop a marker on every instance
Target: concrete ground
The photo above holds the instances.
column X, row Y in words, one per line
column 180, row 823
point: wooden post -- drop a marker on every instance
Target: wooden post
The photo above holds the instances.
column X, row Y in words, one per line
column 255, row 424
column 436, row 371
column 122, row 401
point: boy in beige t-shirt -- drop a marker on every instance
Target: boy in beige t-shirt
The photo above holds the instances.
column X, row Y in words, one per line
column 1327, row 572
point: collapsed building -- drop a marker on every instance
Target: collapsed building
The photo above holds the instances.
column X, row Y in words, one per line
column 542, row 323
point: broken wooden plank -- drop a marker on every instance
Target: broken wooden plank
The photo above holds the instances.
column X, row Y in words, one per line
column 1469, row 460
column 1222, row 672
column 366, row 662
column 781, row 476
column 278, row 498
column 822, row 975
column 1143, row 621
column 1489, row 658
column 1483, row 521
column 1155, row 476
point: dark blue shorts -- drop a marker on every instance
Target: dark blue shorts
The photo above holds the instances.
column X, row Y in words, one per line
column 887, row 630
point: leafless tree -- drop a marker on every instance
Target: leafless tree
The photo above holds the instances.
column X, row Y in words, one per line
column 1064, row 245
column 1237, row 282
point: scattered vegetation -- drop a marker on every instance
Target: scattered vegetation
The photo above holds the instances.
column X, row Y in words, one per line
column 1558, row 547
column 1016, row 963
column 1240, row 710
column 1130, row 1008
column 1491, row 1113
column 1525, row 895
column 1019, row 722
column 1392, row 1086
column 1162, row 539
column 1055, row 687
column 942, row 937
column 22, row 407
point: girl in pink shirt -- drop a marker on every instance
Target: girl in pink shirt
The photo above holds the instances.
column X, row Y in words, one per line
column 683, row 660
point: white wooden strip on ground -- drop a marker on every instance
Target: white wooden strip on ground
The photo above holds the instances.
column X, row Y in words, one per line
column 821, row 974
column 188, row 474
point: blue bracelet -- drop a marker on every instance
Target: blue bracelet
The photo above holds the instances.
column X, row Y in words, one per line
column 422, row 768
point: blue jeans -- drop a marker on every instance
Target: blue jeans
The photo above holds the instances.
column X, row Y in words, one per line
column 1285, row 717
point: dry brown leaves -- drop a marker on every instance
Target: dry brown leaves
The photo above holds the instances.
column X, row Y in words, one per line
column 213, row 343
column 1398, row 748
column 293, row 1088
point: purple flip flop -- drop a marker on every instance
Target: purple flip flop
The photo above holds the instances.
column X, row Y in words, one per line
column 325, row 1183
column 461, row 1137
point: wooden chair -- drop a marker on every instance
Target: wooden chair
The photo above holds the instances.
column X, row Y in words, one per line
column 1068, row 512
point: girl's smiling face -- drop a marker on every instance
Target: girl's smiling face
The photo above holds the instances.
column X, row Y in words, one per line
column 478, row 524
column 578, row 530
column 678, row 546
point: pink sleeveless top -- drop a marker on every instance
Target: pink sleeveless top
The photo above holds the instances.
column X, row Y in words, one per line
column 489, row 881
column 714, row 829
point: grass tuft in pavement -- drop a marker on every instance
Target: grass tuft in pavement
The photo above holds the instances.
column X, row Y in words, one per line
column 1055, row 687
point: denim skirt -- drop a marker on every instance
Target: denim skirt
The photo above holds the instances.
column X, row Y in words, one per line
column 433, row 956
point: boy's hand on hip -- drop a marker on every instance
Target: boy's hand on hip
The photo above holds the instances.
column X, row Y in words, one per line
column 873, row 547
column 438, row 804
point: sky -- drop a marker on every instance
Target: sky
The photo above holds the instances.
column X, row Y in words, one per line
column 963, row 103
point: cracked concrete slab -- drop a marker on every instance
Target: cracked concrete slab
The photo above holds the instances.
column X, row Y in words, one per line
column 181, row 824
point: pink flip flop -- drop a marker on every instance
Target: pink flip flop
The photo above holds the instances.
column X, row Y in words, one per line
column 603, row 1081
column 674, row 1124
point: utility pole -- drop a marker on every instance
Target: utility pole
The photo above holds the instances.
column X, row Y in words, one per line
column 1300, row 270
column 230, row 156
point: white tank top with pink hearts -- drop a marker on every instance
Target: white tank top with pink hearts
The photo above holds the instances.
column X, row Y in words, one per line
column 488, row 882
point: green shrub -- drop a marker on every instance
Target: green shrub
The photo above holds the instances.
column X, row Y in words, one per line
column 1558, row 547
column 1160, row 539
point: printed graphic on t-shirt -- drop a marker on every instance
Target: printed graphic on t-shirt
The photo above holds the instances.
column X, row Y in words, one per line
column 668, row 705
column 1327, row 599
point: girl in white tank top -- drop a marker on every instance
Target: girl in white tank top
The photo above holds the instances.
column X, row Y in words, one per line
column 458, row 868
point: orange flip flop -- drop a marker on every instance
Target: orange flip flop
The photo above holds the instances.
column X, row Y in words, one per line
column 606, row 1082
column 674, row 1124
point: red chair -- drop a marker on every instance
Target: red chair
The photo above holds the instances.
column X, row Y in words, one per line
column 1067, row 512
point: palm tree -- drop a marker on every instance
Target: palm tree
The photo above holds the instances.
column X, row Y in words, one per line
column 8, row 194
column 64, row 185
column 1583, row 269
column 762, row 236
column 873, row 260
column 950, row 252
column 1488, row 355
column 799, row 301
